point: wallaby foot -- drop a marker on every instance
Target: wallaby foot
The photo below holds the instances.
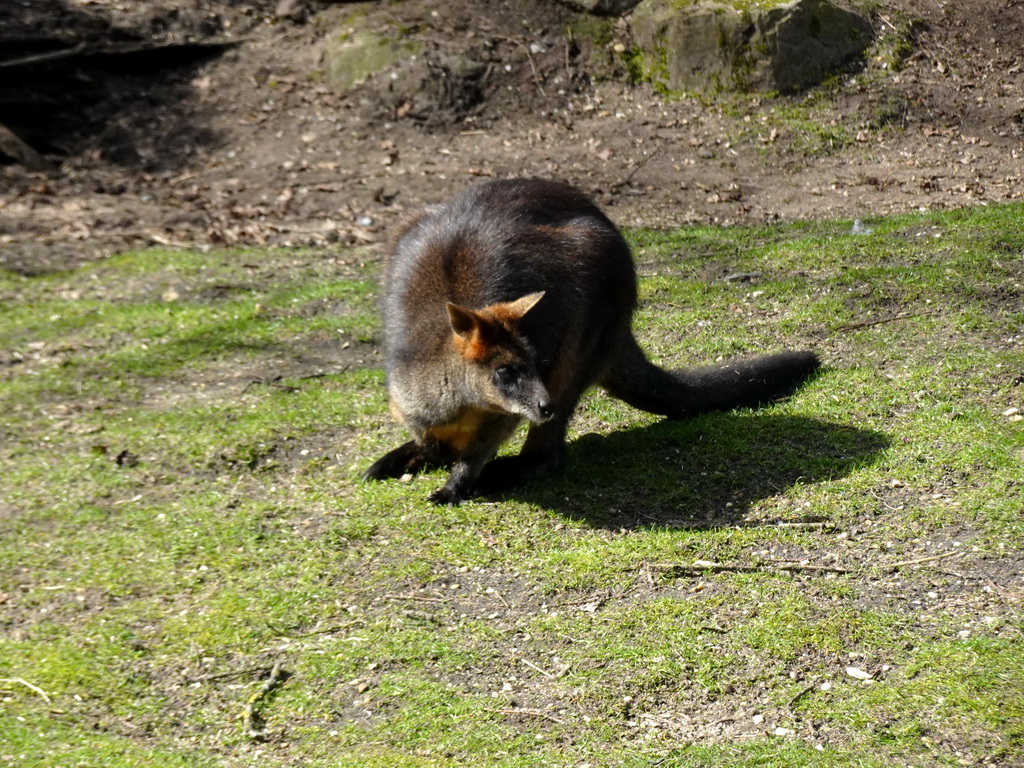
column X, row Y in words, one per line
column 407, row 459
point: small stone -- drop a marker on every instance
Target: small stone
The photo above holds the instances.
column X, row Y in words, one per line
column 857, row 673
column 293, row 10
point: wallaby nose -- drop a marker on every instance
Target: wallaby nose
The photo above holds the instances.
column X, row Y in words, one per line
column 546, row 408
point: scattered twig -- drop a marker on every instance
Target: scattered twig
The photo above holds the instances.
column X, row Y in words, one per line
column 703, row 525
column 501, row 598
column 569, row 42
column 225, row 675
column 27, row 684
column 918, row 560
column 252, row 722
column 529, row 58
column 39, row 58
column 167, row 242
column 275, row 381
column 574, row 640
column 602, row 598
column 533, row 666
column 114, row 49
column 282, row 632
column 811, row 567
column 530, row 712
column 803, row 565
column 888, row 23
column 871, row 323
column 418, row 598
column 703, row 566
column 741, row 277
column 715, row 629
column 800, row 695
column 636, row 169
column 142, row 234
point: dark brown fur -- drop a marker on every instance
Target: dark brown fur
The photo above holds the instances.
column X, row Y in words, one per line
column 461, row 310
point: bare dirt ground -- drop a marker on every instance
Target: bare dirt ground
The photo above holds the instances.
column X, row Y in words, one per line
column 242, row 143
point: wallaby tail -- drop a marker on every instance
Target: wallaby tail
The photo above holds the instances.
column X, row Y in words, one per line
column 678, row 394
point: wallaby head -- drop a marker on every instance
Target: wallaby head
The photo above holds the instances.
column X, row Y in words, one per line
column 499, row 362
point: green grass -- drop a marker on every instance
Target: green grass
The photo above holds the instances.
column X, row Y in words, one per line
column 180, row 515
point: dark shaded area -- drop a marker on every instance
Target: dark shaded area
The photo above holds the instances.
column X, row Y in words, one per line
column 73, row 80
column 700, row 473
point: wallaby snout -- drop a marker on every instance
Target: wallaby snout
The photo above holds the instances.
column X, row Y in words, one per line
column 546, row 409
column 543, row 407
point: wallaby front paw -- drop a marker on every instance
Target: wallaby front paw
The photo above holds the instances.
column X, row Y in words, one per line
column 446, row 497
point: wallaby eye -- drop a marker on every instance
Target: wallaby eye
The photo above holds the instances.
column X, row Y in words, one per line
column 505, row 376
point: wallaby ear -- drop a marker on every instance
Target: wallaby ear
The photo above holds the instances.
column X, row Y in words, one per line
column 470, row 329
column 524, row 304
column 465, row 322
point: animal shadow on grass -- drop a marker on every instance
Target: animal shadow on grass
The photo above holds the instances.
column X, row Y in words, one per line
column 705, row 472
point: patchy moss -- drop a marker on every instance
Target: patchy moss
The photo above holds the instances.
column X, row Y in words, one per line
column 896, row 44
column 690, row 592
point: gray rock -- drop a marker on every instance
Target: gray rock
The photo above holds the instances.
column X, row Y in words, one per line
column 710, row 46
column 293, row 10
column 808, row 40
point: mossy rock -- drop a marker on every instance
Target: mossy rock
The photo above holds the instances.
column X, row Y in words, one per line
column 709, row 47
column 351, row 58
